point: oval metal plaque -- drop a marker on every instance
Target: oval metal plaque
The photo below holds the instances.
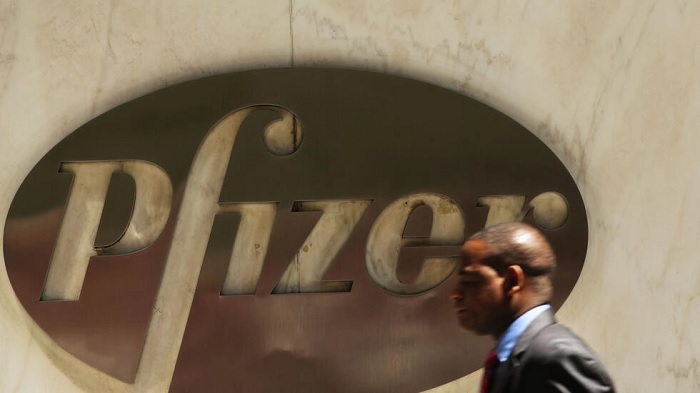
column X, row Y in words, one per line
column 279, row 230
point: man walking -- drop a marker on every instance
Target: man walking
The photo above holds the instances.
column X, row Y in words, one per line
column 504, row 291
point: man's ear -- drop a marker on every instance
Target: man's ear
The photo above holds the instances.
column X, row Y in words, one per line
column 514, row 279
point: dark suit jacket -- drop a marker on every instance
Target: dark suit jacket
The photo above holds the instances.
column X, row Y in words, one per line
column 548, row 357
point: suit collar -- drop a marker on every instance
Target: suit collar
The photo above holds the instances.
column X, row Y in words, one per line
column 505, row 344
column 506, row 370
column 546, row 318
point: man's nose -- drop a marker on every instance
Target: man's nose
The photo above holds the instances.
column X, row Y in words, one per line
column 455, row 296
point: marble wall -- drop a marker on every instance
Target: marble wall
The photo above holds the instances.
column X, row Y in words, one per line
column 610, row 86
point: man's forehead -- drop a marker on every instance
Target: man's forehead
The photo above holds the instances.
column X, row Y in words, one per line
column 475, row 249
column 473, row 252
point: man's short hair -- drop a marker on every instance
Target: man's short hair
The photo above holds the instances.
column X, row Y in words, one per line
column 522, row 245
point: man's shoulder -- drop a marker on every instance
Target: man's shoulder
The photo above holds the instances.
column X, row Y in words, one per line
column 556, row 342
column 557, row 339
column 558, row 354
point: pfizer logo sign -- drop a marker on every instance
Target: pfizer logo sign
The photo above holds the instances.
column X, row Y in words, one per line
column 279, row 230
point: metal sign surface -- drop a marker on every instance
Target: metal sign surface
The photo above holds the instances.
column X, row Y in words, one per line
column 279, row 230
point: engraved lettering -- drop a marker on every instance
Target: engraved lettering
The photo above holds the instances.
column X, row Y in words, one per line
column 76, row 238
column 306, row 270
column 250, row 246
column 386, row 240
column 360, row 147
column 200, row 204
column 502, row 208
column 550, row 209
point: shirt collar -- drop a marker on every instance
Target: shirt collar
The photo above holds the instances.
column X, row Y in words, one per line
column 507, row 341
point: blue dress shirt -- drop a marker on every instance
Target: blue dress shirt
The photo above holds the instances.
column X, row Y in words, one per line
column 505, row 344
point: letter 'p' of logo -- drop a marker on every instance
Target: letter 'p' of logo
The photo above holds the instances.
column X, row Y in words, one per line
column 287, row 227
column 76, row 239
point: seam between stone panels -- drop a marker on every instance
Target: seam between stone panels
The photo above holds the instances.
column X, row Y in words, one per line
column 291, row 30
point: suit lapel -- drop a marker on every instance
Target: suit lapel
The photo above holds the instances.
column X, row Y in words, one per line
column 508, row 370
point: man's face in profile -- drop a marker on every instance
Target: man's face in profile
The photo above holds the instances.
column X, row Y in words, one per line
column 478, row 297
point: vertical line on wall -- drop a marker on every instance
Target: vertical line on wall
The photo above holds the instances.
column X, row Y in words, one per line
column 291, row 30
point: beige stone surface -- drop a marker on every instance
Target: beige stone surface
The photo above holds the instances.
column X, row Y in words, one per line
column 610, row 86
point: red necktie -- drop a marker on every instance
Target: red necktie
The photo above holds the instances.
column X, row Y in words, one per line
column 490, row 366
